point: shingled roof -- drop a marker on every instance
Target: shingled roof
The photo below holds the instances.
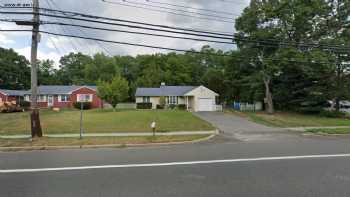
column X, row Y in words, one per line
column 165, row 91
column 13, row 92
column 55, row 90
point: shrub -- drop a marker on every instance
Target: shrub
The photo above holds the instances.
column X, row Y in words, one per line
column 310, row 110
column 86, row 105
column 144, row 106
column 333, row 114
column 24, row 104
column 171, row 106
column 160, row 107
column 182, row 107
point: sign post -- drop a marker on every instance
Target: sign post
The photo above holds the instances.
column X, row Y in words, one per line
column 153, row 126
column 81, row 119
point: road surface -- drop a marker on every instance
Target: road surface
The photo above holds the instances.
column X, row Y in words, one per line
column 240, row 162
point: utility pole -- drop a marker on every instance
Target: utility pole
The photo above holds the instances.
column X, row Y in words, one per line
column 35, row 117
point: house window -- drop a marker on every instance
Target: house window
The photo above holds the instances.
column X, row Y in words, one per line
column 84, row 97
column 63, row 98
column 41, row 98
column 146, row 99
column 172, row 100
column 27, row 98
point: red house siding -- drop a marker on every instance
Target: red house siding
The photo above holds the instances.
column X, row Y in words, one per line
column 61, row 104
column 42, row 104
column 5, row 98
column 96, row 101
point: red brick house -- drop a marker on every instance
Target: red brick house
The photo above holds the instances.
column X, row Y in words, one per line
column 11, row 95
column 66, row 96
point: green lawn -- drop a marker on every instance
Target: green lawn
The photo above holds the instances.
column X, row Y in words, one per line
column 288, row 119
column 101, row 121
column 330, row 131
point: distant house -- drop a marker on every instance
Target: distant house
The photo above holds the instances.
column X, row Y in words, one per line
column 11, row 95
column 66, row 96
column 196, row 98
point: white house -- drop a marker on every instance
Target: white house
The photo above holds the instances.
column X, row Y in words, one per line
column 195, row 98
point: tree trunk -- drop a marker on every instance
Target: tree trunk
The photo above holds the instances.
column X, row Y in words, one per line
column 337, row 104
column 268, row 96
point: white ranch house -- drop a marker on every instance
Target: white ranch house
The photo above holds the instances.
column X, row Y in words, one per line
column 196, row 98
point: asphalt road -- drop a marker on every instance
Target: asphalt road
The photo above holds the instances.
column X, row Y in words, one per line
column 254, row 165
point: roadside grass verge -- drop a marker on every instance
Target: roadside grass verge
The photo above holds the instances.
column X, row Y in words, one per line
column 290, row 119
column 337, row 131
column 104, row 121
column 47, row 142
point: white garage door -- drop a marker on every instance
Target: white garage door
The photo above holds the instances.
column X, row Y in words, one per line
column 206, row 104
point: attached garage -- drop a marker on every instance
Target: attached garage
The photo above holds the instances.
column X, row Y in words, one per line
column 202, row 99
column 206, row 104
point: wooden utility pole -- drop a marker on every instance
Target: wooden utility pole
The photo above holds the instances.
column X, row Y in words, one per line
column 35, row 117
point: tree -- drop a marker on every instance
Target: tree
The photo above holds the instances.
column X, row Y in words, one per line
column 336, row 30
column 47, row 74
column 72, row 69
column 101, row 67
column 14, row 70
column 114, row 91
column 268, row 21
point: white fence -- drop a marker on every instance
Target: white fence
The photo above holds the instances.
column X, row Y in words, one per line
column 218, row 108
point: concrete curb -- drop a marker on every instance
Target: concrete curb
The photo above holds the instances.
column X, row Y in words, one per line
column 304, row 129
column 32, row 148
column 137, row 134
column 325, row 134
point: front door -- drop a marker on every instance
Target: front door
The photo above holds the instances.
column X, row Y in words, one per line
column 50, row 101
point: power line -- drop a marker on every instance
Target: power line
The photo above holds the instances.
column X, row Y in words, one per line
column 84, row 34
column 133, row 32
column 64, row 29
column 265, row 42
column 170, row 12
column 71, row 14
column 110, row 41
column 258, row 42
column 234, row 2
column 172, row 9
column 163, row 48
column 120, row 24
column 192, row 8
column 229, row 37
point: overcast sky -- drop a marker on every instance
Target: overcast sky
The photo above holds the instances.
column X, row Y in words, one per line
column 52, row 47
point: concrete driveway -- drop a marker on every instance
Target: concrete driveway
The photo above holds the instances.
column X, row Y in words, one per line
column 233, row 126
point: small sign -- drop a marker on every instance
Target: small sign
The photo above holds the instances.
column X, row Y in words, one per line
column 153, row 125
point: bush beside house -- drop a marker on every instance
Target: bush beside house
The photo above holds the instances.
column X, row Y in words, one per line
column 144, row 106
column 86, row 105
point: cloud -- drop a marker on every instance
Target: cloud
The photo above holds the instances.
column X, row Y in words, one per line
column 5, row 40
column 52, row 46
column 42, row 55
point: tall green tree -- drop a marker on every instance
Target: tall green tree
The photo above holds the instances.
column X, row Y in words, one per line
column 101, row 67
column 336, row 30
column 47, row 74
column 72, row 68
column 115, row 91
column 14, row 70
column 268, row 21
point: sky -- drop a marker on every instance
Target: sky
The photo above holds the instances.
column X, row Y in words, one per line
column 53, row 47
